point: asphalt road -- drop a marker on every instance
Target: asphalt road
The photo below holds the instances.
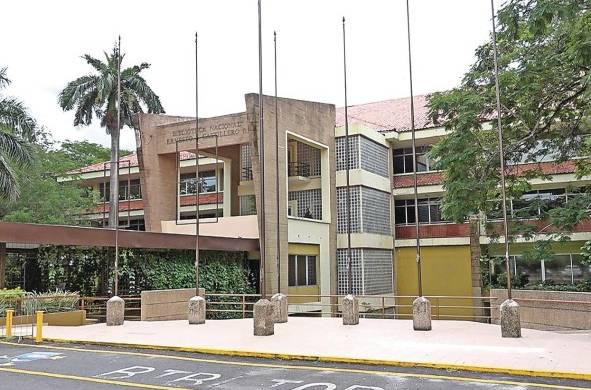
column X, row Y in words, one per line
column 77, row 367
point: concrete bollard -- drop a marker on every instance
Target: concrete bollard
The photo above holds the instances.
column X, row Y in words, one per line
column 279, row 302
column 196, row 313
column 421, row 314
column 510, row 322
column 350, row 310
column 263, row 318
column 115, row 311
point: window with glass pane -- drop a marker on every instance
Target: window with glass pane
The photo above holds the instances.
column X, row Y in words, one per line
column 311, row 270
column 558, row 269
column 423, row 210
column 291, row 271
column 207, row 182
column 429, row 211
column 301, row 270
column 581, row 272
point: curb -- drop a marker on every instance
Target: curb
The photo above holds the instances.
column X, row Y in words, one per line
column 338, row 359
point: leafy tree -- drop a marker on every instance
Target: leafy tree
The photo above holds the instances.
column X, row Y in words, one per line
column 85, row 153
column 95, row 94
column 43, row 199
column 544, row 73
column 17, row 127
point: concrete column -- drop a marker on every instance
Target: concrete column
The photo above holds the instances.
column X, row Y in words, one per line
column 350, row 310
column 279, row 308
column 115, row 311
column 510, row 322
column 264, row 324
column 421, row 314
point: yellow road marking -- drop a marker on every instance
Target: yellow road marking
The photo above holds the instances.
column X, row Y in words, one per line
column 87, row 379
column 312, row 368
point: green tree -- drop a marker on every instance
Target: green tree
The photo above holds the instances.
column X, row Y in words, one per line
column 95, row 94
column 85, row 153
column 43, row 199
column 17, row 128
column 544, row 73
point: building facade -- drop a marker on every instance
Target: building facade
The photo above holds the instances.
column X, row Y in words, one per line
column 305, row 180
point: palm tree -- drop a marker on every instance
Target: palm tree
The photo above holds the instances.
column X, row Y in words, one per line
column 17, row 128
column 96, row 95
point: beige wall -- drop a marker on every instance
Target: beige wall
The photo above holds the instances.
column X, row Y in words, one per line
column 314, row 122
column 574, row 312
column 163, row 305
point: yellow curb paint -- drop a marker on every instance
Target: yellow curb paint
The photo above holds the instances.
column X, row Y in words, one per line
column 347, row 360
column 86, row 379
column 297, row 357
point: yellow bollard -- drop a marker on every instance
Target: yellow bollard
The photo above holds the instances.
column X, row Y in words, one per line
column 39, row 328
column 8, row 323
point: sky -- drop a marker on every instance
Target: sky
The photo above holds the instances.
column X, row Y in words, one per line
column 43, row 41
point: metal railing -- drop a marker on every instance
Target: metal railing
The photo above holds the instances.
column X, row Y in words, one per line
column 295, row 168
column 370, row 306
column 96, row 307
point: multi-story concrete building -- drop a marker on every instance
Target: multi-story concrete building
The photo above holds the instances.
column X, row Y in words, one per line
column 158, row 187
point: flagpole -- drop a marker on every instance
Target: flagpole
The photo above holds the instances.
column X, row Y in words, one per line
column 197, row 182
column 277, row 167
column 349, row 258
column 116, row 200
column 501, row 152
column 414, row 159
column 261, row 145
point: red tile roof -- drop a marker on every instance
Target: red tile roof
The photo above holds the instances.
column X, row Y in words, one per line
column 124, row 162
column 387, row 115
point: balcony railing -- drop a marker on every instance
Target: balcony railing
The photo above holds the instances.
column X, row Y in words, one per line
column 295, row 168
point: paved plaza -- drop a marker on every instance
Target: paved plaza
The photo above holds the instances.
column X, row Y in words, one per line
column 450, row 343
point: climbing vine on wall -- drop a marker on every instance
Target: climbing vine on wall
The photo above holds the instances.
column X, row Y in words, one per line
column 90, row 270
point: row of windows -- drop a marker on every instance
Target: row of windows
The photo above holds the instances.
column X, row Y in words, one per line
column 128, row 190
column 301, row 270
column 403, row 160
column 429, row 211
column 207, row 182
column 560, row 269
column 534, row 204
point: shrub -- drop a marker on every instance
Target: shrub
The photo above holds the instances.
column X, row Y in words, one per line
column 9, row 298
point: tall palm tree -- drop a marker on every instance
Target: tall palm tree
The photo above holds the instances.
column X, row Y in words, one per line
column 17, row 128
column 96, row 95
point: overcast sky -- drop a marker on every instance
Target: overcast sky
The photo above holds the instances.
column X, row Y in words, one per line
column 42, row 42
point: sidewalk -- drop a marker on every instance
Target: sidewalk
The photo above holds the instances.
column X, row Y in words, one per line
column 451, row 344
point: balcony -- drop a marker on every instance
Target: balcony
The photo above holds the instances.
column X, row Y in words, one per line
column 298, row 169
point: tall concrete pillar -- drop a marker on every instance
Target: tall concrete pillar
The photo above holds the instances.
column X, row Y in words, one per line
column 510, row 321
column 115, row 311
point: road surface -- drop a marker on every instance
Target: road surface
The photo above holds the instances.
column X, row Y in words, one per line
column 76, row 367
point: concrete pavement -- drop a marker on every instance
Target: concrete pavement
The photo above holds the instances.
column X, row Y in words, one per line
column 451, row 344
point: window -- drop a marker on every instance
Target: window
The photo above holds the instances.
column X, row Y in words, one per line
column 127, row 190
column 301, row 270
column 560, row 269
column 207, row 183
column 531, row 205
column 429, row 211
column 403, row 160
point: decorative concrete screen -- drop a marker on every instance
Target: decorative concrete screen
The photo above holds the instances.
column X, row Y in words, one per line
column 374, row 157
column 372, row 271
column 354, row 197
column 353, row 153
column 309, row 203
column 375, row 211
